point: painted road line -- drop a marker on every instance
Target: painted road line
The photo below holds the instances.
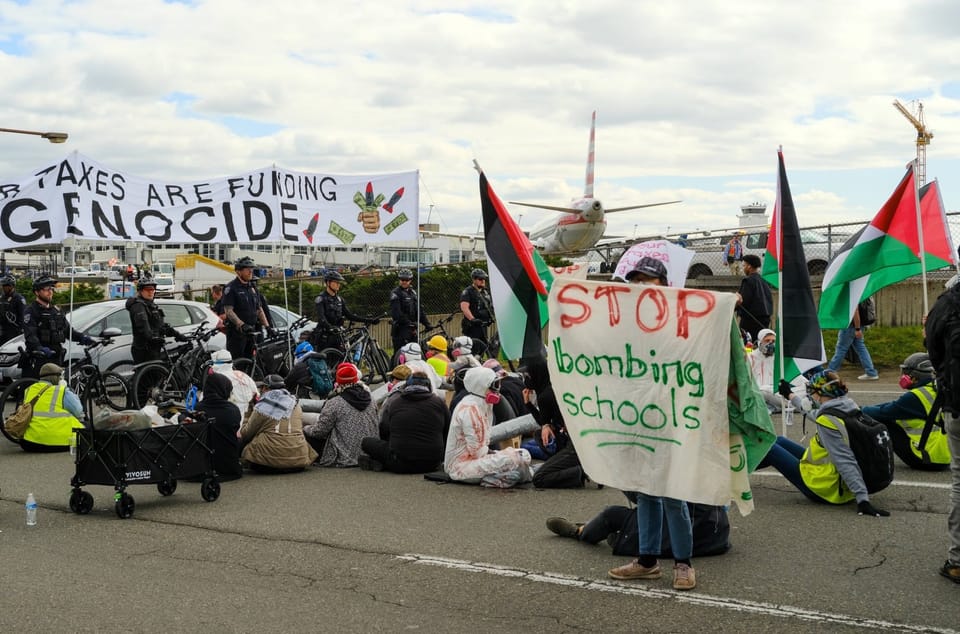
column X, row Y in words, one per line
column 900, row 483
column 691, row 598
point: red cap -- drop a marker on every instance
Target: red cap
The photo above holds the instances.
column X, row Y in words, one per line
column 347, row 373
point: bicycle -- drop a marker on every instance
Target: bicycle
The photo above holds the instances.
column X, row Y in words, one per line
column 272, row 354
column 439, row 328
column 94, row 388
column 362, row 349
column 175, row 377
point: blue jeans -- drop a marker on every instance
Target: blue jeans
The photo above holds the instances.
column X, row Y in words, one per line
column 784, row 456
column 650, row 510
column 846, row 338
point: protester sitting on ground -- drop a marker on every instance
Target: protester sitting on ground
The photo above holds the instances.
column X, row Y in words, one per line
column 244, row 388
column 617, row 525
column 347, row 417
column 437, row 354
column 511, row 388
column 462, row 355
column 413, row 428
column 468, row 455
column 906, row 417
column 224, row 416
column 304, row 347
column 272, row 433
column 412, row 356
column 826, row 471
column 56, row 414
column 395, row 380
column 761, row 360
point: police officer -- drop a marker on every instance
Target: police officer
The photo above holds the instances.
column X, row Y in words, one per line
column 12, row 307
column 405, row 311
column 146, row 320
column 476, row 307
column 331, row 313
column 45, row 329
column 242, row 309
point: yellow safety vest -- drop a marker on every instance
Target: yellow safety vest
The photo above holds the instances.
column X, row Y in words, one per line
column 51, row 424
column 439, row 362
column 818, row 471
column 936, row 446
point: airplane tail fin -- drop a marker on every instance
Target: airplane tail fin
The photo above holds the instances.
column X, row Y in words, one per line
column 588, row 189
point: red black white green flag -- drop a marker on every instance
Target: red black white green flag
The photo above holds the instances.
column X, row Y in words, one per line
column 799, row 339
column 519, row 279
column 908, row 236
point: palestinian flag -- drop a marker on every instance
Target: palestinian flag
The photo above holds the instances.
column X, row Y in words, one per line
column 888, row 250
column 519, row 279
column 799, row 339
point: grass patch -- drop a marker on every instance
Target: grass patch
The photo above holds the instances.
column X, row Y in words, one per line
column 888, row 346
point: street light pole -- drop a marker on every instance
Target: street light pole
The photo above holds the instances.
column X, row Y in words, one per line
column 53, row 137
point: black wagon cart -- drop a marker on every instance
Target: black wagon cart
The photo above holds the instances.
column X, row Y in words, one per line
column 157, row 455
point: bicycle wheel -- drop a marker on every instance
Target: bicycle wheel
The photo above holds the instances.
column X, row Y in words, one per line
column 379, row 362
column 124, row 368
column 150, row 385
column 116, row 391
column 250, row 367
column 10, row 400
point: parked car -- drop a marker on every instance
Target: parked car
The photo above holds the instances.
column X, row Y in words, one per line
column 709, row 257
column 282, row 318
column 75, row 272
column 93, row 319
column 165, row 285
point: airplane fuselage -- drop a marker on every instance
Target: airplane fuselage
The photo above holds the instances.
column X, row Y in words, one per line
column 571, row 232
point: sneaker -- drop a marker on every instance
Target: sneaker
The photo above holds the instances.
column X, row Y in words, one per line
column 684, row 577
column 563, row 527
column 367, row 463
column 634, row 570
column 951, row 571
column 868, row 377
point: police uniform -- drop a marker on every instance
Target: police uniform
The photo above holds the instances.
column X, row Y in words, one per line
column 149, row 329
column 246, row 305
column 481, row 310
column 12, row 308
column 331, row 312
column 44, row 327
column 403, row 311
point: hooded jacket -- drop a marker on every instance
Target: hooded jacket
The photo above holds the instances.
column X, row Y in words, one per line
column 273, row 433
column 344, row 421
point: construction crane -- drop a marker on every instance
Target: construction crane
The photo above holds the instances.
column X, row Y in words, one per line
column 923, row 138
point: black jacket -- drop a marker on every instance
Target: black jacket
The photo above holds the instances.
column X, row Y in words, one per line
column 416, row 424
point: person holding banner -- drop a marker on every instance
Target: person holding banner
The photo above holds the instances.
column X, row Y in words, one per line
column 45, row 329
column 243, row 311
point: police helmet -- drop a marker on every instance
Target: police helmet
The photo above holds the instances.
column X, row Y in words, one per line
column 917, row 364
column 146, row 282
column 478, row 274
column 405, row 274
column 333, row 276
column 7, row 280
column 44, row 281
column 246, row 262
column 649, row 267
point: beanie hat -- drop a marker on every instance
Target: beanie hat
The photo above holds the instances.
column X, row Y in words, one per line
column 221, row 356
column 411, row 351
column 274, row 381
column 401, row 372
column 50, row 369
column 438, row 342
column 347, row 374
column 464, row 344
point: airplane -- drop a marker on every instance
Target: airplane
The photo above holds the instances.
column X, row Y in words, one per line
column 582, row 223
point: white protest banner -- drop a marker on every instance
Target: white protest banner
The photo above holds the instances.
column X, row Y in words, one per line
column 641, row 375
column 574, row 271
column 674, row 257
column 83, row 198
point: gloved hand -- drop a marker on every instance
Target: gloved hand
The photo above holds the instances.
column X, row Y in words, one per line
column 86, row 340
column 45, row 351
column 159, row 342
column 371, row 321
column 428, row 326
column 247, row 329
column 865, row 508
column 785, row 389
column 180, row 338
column 476, row 322
column 271, row 332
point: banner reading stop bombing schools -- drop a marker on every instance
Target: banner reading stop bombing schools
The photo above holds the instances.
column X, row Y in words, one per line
column 82, row 198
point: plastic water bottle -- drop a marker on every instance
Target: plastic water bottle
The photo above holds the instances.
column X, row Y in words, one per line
column 31, row 510
column 788, row 415
column 73, row 445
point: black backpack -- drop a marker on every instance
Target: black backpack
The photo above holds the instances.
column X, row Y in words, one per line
column 871, row 445
column 868, row 312
column 711, row 533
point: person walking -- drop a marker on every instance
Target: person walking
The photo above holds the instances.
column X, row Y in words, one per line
column 147, row 325
column 12, row 308
column 242, row 309
column 733, row 253
column 477, row 308
column 754, row 300
column 406, row 312
column 45, row 330
column 852, row 335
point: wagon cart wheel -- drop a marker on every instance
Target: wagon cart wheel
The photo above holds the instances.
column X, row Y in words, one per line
column 167, row 487
column 209, row 489
column 81, row 502
column 124, row 505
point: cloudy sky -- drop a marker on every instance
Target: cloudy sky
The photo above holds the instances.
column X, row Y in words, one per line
column 692, row 98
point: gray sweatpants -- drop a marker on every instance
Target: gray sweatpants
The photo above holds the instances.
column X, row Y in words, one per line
column 952, row 426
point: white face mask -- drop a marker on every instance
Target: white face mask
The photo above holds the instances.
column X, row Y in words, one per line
column 808, row 403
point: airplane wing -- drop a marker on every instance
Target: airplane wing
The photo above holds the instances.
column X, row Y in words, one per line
column 669, row 202
column 567, row 210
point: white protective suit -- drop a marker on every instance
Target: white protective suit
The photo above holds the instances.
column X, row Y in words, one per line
column 468, row 456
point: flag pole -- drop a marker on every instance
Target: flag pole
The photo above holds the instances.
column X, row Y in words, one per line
column 778, row 212
column 923, row 254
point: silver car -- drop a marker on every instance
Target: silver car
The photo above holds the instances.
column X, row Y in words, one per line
column 93, row 319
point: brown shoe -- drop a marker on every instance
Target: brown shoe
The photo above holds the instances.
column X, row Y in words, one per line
column 684, row 577
column 634, row 570
column 951, row 571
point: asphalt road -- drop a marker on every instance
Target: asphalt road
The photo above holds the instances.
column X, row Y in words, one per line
column 356, row 551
